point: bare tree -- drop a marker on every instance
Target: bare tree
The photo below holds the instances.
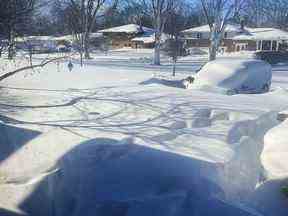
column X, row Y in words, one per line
column 218, row 13
column 13, row 15
column 177, row 21
column 276, row 12
column 85, row 13
column 2, row 46
column 31, row 67
column 159, row 10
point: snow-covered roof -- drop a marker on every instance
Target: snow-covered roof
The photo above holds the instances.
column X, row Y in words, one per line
column 149, row 37
column 54, row 38
column 206, row 28
column 35, row 38
column 248, row 34
column 263, row 34
column 130, row 28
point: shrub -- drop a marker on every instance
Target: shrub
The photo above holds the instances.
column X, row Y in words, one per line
column 285, row 191
column 273, row 57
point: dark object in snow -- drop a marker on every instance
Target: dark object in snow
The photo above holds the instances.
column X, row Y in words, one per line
column 282, row 117
column 94, row 113
column 273, row 57
column 188, row 82
column 70, row 66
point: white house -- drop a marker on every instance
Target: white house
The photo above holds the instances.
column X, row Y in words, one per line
column 237, row 38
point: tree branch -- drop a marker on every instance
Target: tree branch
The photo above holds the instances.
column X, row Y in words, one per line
column 11, row 73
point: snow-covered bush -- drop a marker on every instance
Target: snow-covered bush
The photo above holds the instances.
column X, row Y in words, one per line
column 235, row 76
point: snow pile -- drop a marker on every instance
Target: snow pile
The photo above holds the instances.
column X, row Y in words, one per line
column 235, row 76
column 247, row 137
column 275, row 153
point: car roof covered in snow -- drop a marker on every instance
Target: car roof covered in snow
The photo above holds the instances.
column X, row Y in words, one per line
column 234, row 74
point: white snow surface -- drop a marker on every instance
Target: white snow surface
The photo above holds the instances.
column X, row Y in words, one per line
column 275, row 152
column 240, row 75
column 109, row 139
column 206, row 28
column 263, row 34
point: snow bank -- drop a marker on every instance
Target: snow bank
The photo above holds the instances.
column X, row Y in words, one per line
column 275, row 153
column 110, row 179
column 240, row 176
column 235, row 76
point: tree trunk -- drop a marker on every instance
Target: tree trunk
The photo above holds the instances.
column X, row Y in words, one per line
column 174, row 67
column 11, row 47
column 157, row 49
column 81, row 57
column 215, row 43
column 86, row 46
column 213, row 52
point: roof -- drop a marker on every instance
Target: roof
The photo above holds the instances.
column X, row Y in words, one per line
column 149, row 37
column 248, row 34
column 206, row 28
column 54, row 38
column 35, row 38
column 263, row 34
column 130, row 29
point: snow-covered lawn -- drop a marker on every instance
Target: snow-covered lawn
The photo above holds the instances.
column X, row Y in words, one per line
column 100, row 139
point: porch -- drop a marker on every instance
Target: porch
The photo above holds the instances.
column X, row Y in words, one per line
column 268, row 45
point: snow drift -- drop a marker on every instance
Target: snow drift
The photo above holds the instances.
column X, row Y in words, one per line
column 275, row 153
column 235, row 76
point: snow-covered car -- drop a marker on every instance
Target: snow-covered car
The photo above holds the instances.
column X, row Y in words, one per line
column 235, row 76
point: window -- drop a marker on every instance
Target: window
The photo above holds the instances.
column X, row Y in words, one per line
column 226, row 35
column 199, row 35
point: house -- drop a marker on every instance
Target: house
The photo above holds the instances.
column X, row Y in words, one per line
column 237, row 38
column 43, row 44
column 131, row 35
column 96, row 40
column 39, row 43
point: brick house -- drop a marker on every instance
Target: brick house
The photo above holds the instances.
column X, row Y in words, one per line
column 238, row 38
column 131, row 35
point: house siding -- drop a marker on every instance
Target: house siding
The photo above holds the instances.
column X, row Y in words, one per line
column 121, row 40
column 228, row 44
